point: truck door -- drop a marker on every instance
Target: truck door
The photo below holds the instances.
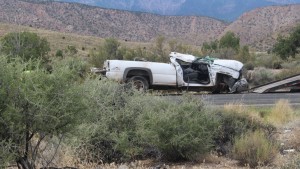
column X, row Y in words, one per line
column 179, row 72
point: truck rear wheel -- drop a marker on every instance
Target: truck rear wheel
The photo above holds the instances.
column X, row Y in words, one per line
column 139, row 82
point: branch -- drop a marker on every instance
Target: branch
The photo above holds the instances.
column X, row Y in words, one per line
column 60, row 139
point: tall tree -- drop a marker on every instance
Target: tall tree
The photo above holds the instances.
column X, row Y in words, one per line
column 230, row 40
column 286, row 47
column 35, row 105
column 159, row 50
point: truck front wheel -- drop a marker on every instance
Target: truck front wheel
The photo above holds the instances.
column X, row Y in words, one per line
column 139, row 82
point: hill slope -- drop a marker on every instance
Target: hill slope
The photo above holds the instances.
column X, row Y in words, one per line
column 222, row 9
column 257, row 28
column 86, row 20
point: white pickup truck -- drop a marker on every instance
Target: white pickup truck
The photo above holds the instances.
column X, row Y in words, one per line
column 183, row 72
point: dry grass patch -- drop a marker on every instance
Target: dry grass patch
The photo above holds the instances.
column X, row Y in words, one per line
column 61, row 40
column 242, row 110
column 254, row 149
column 281, row 113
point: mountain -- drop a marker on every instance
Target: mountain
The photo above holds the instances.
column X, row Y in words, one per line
column 94, row 21
column 227, row 10
column 257, row 28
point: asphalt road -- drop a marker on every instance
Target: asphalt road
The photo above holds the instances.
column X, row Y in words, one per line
column 252, row 99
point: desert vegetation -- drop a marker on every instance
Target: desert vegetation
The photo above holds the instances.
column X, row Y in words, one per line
column 50, row 103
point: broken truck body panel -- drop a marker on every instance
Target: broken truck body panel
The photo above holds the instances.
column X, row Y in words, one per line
column 183, row 71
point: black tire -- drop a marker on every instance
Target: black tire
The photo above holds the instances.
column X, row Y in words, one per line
column 139, row 82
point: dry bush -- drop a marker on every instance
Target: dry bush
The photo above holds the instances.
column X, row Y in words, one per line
column 281, row 113
column 241, row 109
column 179, row 131
column 254, row 149
column 290, row 67
column 237, row 120
column 288, row 72
column 261, row 76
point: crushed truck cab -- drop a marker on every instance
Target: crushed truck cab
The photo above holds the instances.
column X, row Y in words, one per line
column 183, row 72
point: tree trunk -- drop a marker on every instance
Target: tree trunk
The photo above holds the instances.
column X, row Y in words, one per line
column 23, row 163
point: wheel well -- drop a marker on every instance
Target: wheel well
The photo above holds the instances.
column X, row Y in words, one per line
column 220, row 85
column 139, row 72
column 220, row 76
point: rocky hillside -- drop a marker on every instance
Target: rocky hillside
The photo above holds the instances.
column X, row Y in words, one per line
column 82, row 19
column 228, row 10
column 257, row 28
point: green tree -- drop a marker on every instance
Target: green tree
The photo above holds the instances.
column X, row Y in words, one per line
column 159, row 48
column 179, row 47
column 109, row 50
column 286, row 47
column 209, row 48
column 229, row 40
column 36, row 105
column 111, row 47
column 244, row 54
column 283, row 48
column 173, row 45
column 27, row 45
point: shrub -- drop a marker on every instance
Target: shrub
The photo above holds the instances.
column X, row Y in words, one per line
column 180, row 131
column 276, row 64
column 236, row 120
column 254, row 148
column 31, row 99
column 26, row 45
column 59, row 53
column 281, row 113
column 261, row 76
column 129, row 125
column 266, row 60
column 249, row 66
column 105, row 121
column 287, row 72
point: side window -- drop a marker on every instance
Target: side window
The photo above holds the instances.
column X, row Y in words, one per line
column 184, row 65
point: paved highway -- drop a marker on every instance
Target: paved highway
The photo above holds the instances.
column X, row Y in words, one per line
column 252, row 99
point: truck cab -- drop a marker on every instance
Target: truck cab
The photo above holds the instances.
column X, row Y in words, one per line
column 215, row 74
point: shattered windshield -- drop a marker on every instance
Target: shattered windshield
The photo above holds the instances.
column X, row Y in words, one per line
column 206, row 59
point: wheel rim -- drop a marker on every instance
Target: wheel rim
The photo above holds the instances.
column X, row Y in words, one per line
column 139, row 85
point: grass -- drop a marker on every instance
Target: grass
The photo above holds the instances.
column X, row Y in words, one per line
column 61, row 40
column 254, row 149
column 240, row 109
column 280, row 114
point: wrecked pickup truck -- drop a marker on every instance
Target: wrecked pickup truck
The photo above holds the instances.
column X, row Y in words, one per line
column 184, row 71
